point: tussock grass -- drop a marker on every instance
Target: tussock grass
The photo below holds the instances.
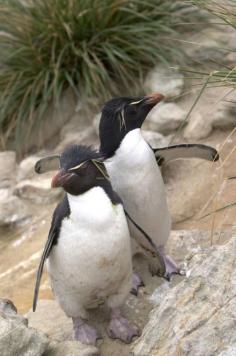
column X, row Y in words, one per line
column 225, row 11
column 95, row 47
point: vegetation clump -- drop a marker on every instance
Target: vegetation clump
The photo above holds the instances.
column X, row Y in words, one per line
column 96, row 47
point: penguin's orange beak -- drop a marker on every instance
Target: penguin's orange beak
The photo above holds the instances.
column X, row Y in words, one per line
column 60, row 178
column 154, row 98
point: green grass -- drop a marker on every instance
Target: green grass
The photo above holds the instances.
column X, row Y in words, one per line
column 98, row 48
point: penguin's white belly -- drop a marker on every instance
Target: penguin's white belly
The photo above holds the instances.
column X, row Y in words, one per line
column 136, row 177
column 92, row 257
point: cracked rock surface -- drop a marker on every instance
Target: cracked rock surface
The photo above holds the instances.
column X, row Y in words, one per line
column 201, row 309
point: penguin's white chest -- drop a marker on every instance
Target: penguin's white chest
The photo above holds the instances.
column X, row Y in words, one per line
column 92, row 255
column 136, row 177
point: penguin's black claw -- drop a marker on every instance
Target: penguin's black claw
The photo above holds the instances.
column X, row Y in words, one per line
column 134, row 292
column 167, row 277
column 171, row 267
column 136, row 284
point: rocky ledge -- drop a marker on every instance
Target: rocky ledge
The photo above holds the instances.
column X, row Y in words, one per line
column 198, row 316
column 192, row 315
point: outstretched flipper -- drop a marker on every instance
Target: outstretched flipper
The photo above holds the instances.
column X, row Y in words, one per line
column 48, row 163
column 61, row 211
column 185, row 150
column 163, row 155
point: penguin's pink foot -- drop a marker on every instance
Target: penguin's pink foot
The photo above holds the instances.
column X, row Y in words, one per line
column 171, row 267
column 84, row 333
column 136, row 284
column 119, row 327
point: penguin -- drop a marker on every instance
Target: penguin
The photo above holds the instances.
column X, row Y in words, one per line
column 88, row 249
column 133, row 166
column 134, row 172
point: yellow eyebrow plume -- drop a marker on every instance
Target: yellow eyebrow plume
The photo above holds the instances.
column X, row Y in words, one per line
column 77, row 167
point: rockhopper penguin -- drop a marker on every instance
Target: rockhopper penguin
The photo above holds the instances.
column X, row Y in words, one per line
column 88, row 248
column 132, row 166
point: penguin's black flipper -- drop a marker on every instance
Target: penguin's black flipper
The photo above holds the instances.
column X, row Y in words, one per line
column 61, row 211
column 153, row 252
column 185, row 150
column 48, row 163
column 46, row 252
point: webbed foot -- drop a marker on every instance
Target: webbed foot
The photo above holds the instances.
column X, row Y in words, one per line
column 119, row 327
column 84, row 332
column 170, row 266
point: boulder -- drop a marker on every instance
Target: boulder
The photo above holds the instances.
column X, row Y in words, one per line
column 167, row 81
column 83, row 136
column 225, row 116
column 50, row 318
column 53, row 119
column 189, row 185
column 155, row 139
column 71, row 348
column 231, row 59
column 26, row 168
column 197, row 316
column 38, row 190
column 79, row 130
column 198, row 127
column 207, row 45
column 8, row 169
column 12, row 209
column 16, row 338
column 165, row 118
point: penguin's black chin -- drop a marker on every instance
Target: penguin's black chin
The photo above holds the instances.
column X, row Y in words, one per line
column 61, row 178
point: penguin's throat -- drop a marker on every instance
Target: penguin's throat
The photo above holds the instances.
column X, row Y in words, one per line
column 133, row 151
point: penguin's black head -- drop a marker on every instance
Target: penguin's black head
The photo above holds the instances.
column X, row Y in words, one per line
column 81, row 169
column 121, row 115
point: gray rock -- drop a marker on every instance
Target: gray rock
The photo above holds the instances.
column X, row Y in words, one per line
column 71, row 348
column 198, row 127
column 165, row 118
column 26, row 168
column 55, row 117
column 189, row 185
column 196, row 317
column 38, row 190
column 231, row 58
column 8, row 168
column 85, row 136
column 12, row 209
column 206, row 45
column 50, row 319
column 16, row 338
column 155, row 139
column 165, row 80
column 225, row 116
